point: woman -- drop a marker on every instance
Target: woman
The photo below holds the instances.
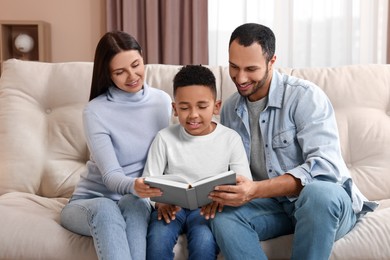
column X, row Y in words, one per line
column 120, row 121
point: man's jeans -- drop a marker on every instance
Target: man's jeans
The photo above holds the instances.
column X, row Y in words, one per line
column 322, row 214
column 118, row 228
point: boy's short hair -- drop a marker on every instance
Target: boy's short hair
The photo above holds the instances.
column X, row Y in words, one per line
column 195, row 75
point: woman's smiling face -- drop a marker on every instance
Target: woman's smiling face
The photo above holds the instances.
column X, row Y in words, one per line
column 127, row 71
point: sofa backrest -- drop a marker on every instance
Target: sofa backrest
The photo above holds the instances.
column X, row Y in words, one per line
column 42, row 143
column 360, row 95
column 43, row 148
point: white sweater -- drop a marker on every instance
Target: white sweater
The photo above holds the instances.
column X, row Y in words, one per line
column 174, row 151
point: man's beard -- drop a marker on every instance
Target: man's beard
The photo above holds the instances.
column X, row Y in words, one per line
column 256, row 87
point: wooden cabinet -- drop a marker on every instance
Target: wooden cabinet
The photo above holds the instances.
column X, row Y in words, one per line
column 39, row 31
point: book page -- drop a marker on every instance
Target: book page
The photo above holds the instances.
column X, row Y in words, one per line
column 169, row 177
column 212, row 178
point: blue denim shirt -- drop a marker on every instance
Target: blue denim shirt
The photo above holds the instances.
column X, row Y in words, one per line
column 299, row 133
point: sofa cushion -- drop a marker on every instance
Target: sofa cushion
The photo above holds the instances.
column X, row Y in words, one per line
column 30, row 229
column 42, row 147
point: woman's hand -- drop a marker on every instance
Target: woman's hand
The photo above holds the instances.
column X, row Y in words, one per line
column 145, row 191
column 167, row 212
column 210, row 209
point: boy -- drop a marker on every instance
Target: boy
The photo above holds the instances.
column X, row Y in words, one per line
column 197, row 147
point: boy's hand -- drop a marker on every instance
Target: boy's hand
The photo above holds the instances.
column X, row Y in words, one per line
column 145, row 191
column 167, row 212
column 210, row 209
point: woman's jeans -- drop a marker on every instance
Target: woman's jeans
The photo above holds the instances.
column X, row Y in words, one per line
column 118, row 228
column 322, row 214
column 162, row 237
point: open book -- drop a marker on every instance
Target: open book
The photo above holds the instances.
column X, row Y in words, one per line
column 177, row 191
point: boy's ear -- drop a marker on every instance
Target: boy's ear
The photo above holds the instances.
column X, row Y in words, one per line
column 174, row 108
column 217, row 107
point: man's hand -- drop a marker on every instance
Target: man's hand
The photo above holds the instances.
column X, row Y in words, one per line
column 167, row 212
column 210, row 209
column 246, row 190
column 145, row 191
column 234, row 195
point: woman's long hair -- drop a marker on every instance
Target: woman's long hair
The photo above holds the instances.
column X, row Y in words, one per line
column 109, row 45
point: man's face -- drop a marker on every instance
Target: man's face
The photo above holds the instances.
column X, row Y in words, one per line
column 250, row 70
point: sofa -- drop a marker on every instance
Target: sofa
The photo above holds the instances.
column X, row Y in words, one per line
column 43, row 151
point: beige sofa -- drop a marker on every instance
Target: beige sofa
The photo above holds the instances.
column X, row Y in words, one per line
column 43, row 151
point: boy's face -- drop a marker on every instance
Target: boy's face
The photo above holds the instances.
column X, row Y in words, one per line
column 195, row 106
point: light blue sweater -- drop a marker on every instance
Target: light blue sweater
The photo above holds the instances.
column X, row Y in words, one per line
column 119, row 128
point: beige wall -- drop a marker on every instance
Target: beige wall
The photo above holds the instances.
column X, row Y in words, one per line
column 76, row 25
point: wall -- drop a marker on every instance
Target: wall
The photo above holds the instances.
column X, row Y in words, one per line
column 76, row 25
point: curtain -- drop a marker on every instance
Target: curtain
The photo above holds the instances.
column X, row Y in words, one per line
column 169, row 31
column 308, row 33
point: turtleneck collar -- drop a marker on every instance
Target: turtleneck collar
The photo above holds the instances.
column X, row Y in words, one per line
column 115, row 94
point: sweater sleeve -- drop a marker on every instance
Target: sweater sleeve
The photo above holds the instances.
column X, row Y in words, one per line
column 103, row 154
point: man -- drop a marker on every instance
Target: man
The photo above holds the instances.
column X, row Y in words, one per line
column 301, row 184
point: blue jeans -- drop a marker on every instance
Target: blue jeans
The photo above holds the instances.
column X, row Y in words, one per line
column 322, row 214
column 118, row 228
column 162, row 237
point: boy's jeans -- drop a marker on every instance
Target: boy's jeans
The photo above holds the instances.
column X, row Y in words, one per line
column 118, row 228
column 162, row 237
column 322, row 214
